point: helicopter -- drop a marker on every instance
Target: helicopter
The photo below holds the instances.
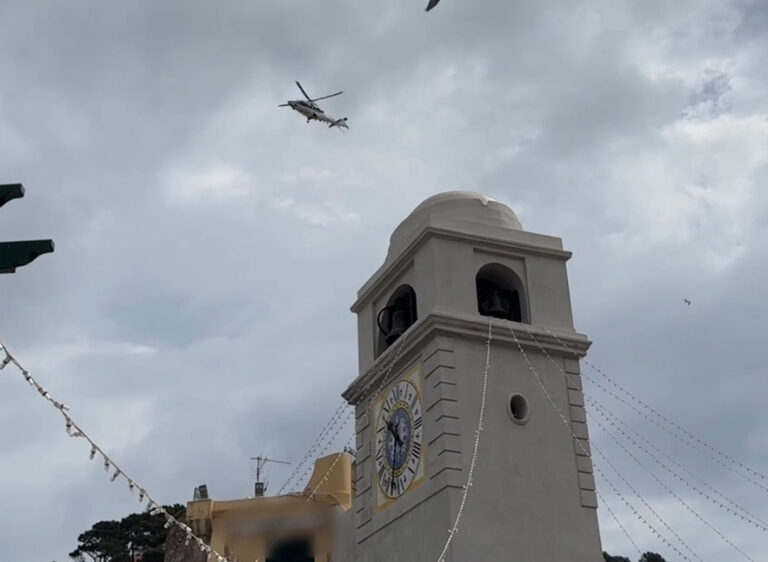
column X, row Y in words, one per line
column 311, row 110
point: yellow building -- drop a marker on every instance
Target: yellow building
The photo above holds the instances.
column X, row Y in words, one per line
column 307, row 526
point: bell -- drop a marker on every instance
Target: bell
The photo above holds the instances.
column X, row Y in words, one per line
column 496, row 304
column 398, row 325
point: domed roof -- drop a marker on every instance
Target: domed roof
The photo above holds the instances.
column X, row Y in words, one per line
column 461, row 205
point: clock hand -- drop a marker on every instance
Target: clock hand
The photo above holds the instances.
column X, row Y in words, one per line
column 395, row 434
column 392, row 429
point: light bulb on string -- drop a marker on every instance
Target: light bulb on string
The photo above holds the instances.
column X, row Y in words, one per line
column 73, row 430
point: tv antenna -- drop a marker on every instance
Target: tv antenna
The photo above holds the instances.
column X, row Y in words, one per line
column 261, row 487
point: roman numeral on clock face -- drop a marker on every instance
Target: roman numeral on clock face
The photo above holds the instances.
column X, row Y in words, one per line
column 416, row 449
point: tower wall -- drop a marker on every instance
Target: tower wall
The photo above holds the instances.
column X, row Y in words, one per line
column 532, row 497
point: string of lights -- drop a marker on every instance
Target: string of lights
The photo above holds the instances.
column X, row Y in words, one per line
column 312, row 494
column 324, row 434
column 678, row 427
column 642, row 500
column 670, row 491
column 581, row 446
column 382, row 382
column 618, row 522
column 330, row 429
column 320, row 452
column 613, row 419
column 677, row 436
column 739, row 511
column 579, row 443
column 600, row 408
column 468, row 484
column 75, row 430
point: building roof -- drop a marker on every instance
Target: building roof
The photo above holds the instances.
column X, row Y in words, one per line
column 331, row 484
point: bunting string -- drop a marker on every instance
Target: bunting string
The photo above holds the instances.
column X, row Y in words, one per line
column 74, row 430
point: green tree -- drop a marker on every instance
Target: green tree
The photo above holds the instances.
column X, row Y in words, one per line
column 608, row 558
column 652, row 557
column 118, row 541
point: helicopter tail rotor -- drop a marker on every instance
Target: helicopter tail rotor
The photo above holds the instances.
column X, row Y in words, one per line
column 339, row 123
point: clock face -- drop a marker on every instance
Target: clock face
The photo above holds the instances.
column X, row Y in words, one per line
column 398, row 439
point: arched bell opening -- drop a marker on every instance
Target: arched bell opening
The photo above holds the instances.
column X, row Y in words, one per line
column 395, row 318
column 500, row 293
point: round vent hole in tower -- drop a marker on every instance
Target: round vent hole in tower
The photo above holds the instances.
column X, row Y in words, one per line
column 517, row 408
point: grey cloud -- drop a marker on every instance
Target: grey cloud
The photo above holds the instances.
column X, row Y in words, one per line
column 209, row 243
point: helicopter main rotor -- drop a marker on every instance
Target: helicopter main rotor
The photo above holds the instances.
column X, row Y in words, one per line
column 310, row 100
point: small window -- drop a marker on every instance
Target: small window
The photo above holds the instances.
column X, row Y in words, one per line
column 517, row 408
column 395, row 318
column 500, row 293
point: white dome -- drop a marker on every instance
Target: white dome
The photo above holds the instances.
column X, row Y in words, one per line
column 461, row 205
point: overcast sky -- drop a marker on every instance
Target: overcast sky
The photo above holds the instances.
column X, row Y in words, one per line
column 209, row 244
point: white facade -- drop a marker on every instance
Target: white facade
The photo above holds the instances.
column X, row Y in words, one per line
column 533, row 497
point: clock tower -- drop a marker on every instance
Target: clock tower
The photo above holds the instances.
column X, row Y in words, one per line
column 458, row 262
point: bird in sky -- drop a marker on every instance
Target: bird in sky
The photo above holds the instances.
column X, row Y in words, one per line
column 686, row 301
column 432, row 4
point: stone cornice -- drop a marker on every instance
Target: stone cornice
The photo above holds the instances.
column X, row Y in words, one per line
column 490, row 240
column 452, row 324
